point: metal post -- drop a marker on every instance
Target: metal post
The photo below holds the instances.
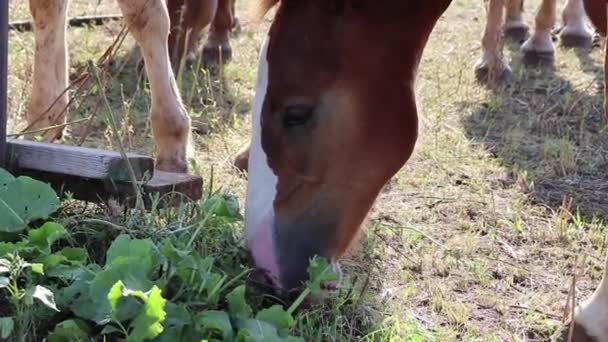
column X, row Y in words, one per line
column 3, row 78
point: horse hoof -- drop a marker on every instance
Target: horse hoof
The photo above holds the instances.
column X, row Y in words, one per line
column 538, row 58
column 517, row 34
column 485, row 76
column 241, row 162
column 216, row 56
column 172, row 166
column 576, row 40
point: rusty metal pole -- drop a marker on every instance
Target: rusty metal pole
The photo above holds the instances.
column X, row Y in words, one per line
column 3, row 79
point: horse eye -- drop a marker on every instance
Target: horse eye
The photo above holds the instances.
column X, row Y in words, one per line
column 297, row 115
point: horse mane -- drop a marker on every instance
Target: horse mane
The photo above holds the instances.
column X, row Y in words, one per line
column 265, row 6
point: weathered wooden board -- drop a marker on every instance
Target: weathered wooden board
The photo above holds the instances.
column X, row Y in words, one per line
column 80, row 162
column 173, row 188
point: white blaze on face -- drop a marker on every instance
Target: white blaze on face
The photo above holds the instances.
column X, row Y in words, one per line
column 262, row 182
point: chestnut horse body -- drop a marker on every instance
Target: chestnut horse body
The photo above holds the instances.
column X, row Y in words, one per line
column 149, row 23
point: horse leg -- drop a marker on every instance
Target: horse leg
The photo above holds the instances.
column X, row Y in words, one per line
column 188, row 19
column 515, row 27
column 591, row 316
column 236, row 23
column 575, row 32
column 49, row 98
column 492, row 68
column 539, row 48
column 217, row 48
column 148, row 22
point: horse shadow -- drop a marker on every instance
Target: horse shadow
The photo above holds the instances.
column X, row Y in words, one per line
column 550, row 134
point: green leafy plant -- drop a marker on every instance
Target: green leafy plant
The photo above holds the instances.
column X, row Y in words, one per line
column 23, row 200
column 161, row 288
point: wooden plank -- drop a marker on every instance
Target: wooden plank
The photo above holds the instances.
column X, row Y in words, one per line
column 3, row 79
column 172, row 188
column 26, row 25
column 81, row 162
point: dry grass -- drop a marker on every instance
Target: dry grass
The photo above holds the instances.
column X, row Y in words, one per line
column 476, row 237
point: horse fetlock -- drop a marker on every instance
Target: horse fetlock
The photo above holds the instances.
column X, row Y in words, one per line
column 490, row 71
column 576, row 36
column 171, row 131
column 516, row 29
column 539, row 49
column 215, row 54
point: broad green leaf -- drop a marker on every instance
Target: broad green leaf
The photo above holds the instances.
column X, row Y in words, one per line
column 126, row 270
column 216, row 321
column 77, row 297
column 64, row 272
column 44, row 295
column 223, row 206
column 213, row 283
column 45, row 236
column 25, row 200
column 115, row 294
column 7, row 324
column 110, row 329
column 148, row 324
column 51, row 260
column 127, row 260
column 123, row 303
column 5, row 179
column 276, row 316
column 4, row 281
column 65, row 264
column 259, row 331
column 7, row 247
column 75, row 254
column 319, row 272
column 237, row 304
column 172, row 253
column 73, row 330
column 177, row 325
column 124, row 247
column 38, row 268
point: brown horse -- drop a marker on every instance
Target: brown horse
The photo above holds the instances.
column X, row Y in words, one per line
column 149, row 22
column 334, row 118
column 539, row 47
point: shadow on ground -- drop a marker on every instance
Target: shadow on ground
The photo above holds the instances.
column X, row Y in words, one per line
column 551, row 134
